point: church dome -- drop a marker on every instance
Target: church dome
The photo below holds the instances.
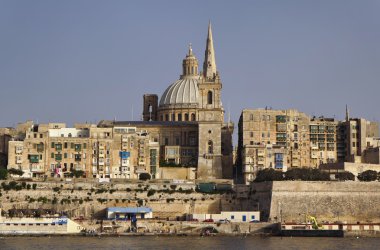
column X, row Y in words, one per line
column 183, row 91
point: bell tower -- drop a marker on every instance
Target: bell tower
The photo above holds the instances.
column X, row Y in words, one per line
column 210, row 116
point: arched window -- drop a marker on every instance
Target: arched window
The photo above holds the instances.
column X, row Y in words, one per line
column 179, row 117
column 186, row 116
column 173, row 117
column 161, row 117
column 166, row 117
column 193, row 117
column 69, row 134
column 209, row 97
column 210, row 147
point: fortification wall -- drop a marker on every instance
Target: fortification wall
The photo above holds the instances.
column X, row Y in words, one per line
column 91, row 199
column 329, row 201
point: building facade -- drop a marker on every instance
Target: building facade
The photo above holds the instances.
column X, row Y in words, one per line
column 281, row 139
column 184, row 129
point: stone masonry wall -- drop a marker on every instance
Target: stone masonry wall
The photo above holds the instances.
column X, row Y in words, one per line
column 328, row 201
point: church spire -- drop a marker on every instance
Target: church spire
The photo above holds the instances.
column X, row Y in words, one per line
column 209, row 65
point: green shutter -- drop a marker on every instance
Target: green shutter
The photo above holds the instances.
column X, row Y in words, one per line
column 52, row 155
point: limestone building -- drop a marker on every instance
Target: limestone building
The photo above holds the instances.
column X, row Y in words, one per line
column 281, row 139
column 272, row 139
column 182, row 136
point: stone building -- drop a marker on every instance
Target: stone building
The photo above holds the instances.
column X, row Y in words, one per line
column 5, row 137
column 323, row 141
column 183, row 135
column 196, row 97
column 272, row 139
column 281, row 139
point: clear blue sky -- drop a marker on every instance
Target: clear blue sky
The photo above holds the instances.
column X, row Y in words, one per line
column 77, row 61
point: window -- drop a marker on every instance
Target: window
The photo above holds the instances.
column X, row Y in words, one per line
column 210, row 147
column 166, row 117
column 52, row 155
column 251, row 134
column 65, row 145
column 84, row 145
column 186, row 117
column 173, row 117
column 52, row 145
column 41, row 135
column 209, row 97
column 232, row 217
column 251, row 117
column 193, row 117
column 177, row 141
column 179, row 117
column 166, row 141
column 65, row 155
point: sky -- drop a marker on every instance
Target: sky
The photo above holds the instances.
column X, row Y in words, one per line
column 84, row 61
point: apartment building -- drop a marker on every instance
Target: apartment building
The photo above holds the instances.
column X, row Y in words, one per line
column 272, row 139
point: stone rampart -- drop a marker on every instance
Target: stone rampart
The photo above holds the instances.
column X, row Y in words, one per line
column 329, row 201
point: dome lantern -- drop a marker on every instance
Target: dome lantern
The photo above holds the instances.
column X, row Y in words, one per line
column 189, row 65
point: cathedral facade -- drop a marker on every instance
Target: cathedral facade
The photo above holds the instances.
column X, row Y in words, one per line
column 196, row 97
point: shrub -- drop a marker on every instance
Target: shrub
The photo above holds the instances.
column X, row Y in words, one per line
column 14, row 171
column 34, row 186
column 28, row 186
column 268, row 174
column 369, row 175
column 151, row 192
column 345, row 176
column 3, row 174
column 306, row 174
column 56, row 189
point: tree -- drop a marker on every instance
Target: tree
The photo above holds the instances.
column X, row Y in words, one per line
column 268, row 174
column 306, row 174
column 369, row 175
column 14, row 171
column 345, row 176
column 3, row 174
column 144, row 176
column 77, row 173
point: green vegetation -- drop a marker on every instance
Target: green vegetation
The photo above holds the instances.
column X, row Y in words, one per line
column 77, row 173
column 369, row 175
column 3, row 174
column 269, row 174
column 11, row 186
column 302, row 174
column 14, row 171
column 345, row 176
column 151, row 192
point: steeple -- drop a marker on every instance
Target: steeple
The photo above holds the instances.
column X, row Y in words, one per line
column 209, row 65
